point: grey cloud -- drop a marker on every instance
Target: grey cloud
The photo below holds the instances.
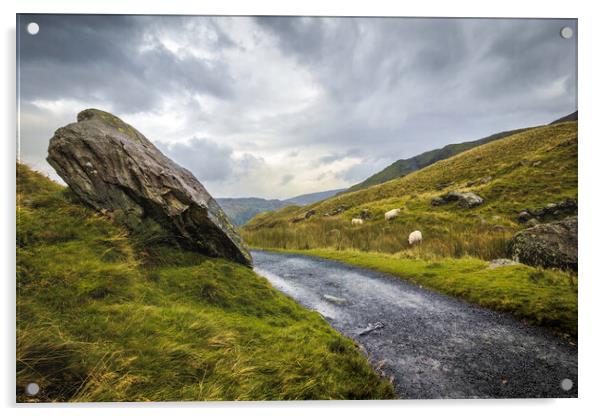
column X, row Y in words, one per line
column 385, row 88
column 286, row 179
column 207, row 160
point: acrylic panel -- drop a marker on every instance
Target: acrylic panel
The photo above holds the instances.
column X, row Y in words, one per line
column 254, row 208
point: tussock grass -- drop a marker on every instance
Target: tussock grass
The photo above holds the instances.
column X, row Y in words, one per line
column 527, row 170
column 107, row 316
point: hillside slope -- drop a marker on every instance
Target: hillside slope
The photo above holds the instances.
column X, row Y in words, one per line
column 403, row 167
column 525, row 170
column 241, row 210
column 107, row 316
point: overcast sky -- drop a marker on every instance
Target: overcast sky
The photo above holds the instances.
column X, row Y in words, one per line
column 275, row 107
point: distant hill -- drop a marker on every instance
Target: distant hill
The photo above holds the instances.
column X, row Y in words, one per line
column 241, row 210
column 526, row 170
column 570, row 117
column 402, row 167
column 307, row 199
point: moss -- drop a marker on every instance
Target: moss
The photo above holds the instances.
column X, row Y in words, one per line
column 101, row 318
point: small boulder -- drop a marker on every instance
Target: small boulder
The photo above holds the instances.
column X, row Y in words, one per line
column 437, row 201
column 494, row 264
column 524, row 216
column 111, row 166
column 469, row 200
column 465, row 199
column 335, row 299
column 547, row 245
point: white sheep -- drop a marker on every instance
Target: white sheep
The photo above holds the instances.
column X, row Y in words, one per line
column 357, row 221
column 415, row 237
column 389, row 215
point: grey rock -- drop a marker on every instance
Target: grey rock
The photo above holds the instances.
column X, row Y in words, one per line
column 334, row 299
column 437, row 201
column 113, row 167
column 465, row 199
column 547, row 245
column 524, row 216
column 371, row 327
column 469, row 200
column 310, row 213
column 532, row 222
column 494, row 264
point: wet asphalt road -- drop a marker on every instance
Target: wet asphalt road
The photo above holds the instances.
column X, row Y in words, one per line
column 434, row 346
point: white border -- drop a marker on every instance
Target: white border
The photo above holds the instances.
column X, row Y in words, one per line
column 590, row 193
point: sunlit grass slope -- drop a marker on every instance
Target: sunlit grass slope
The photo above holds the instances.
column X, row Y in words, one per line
column 103, row 316
column 525, row 170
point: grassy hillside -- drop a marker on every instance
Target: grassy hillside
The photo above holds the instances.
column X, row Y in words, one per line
column 106, row 316
column 403, row 167
column 525, row 170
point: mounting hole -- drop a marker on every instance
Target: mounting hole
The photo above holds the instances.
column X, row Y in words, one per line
column 566, row 32
column 566, row 384
column 33, row 28
column 32, row 389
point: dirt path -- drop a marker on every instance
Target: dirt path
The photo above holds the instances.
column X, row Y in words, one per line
column 433, row 345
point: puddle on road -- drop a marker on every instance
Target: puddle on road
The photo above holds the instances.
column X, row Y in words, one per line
column 307, row 298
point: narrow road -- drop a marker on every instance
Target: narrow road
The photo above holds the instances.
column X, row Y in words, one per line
column 434, row 346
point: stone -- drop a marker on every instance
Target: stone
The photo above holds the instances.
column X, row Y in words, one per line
column 524, row 216
column 465, row 199
column 371, row 327
column 334, row 299
column 111, row 166
column 469, row 200
column 532, row 222
column 310, row 213
column 494, row 264
column 547, row 245
column 437, row 201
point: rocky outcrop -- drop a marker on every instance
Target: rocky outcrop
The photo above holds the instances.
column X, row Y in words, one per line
column 547, row 245
column 113, row 167
column 464, row 199
column 552, row 211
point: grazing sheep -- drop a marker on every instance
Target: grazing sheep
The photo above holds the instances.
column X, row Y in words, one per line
column 415, row 237
column 389, row 215
column 357, row 221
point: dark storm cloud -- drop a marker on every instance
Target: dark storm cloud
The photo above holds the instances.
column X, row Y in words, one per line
column 339, row 97
column 103, row 58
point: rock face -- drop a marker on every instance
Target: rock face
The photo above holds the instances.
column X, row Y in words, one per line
column 547, row 245
column 113, row 167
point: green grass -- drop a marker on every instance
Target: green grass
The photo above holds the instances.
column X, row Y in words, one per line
column 104, row 316
column 403, row 167
column 541, row 297
column 528, row 170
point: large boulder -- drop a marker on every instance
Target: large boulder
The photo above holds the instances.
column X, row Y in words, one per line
column 547, row 245
column 113, row 167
